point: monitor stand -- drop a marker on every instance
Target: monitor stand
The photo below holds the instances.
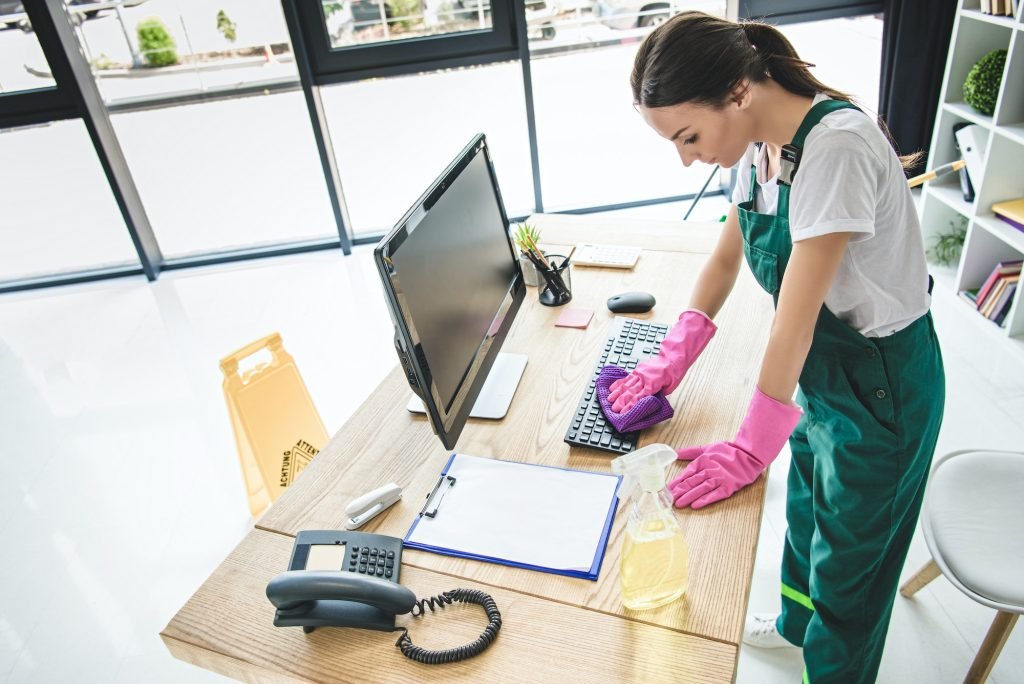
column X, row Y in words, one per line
column 496, row 394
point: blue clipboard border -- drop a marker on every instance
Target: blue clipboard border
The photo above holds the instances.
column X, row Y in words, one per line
column 602, row 544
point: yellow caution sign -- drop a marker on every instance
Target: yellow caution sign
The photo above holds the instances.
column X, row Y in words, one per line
column 277, row 427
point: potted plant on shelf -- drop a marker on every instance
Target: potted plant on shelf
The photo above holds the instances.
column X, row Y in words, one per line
column 981, row 89
column 947, row 246
column 524, row 235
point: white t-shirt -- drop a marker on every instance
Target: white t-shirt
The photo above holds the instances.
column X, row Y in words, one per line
column 850, row 180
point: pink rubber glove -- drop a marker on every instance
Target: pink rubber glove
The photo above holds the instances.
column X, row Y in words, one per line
column 663, row 373
column 717, row 471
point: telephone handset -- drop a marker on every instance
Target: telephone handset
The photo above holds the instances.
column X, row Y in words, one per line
column 350, row 579
column 311, row 599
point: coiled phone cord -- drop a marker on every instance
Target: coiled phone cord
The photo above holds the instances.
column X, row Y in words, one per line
column 451, row 655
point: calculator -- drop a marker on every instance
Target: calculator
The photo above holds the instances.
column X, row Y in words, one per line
column 606, row 256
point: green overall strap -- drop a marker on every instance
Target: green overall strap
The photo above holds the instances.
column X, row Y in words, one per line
column 813, row 117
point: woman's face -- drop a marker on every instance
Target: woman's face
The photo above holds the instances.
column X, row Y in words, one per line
column 703, row 133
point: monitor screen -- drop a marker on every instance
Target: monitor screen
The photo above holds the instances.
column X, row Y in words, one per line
column 453, row 285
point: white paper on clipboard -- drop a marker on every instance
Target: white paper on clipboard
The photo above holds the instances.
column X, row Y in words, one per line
column 520, row 513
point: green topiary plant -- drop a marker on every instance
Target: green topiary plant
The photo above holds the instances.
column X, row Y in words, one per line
column 947, row 247
column 982, row 85
column 155, row 43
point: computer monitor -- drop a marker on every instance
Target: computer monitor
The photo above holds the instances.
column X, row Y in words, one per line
column 453, row 285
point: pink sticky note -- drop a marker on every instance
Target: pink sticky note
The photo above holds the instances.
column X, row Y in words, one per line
column 575, row 318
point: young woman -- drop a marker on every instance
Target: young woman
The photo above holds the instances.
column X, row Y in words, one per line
column 823, row 217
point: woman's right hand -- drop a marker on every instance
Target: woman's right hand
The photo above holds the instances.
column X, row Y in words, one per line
column 663, row 373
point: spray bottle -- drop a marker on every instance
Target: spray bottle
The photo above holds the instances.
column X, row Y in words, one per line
column 653, row 570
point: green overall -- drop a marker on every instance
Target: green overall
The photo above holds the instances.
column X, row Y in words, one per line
column 861, row 455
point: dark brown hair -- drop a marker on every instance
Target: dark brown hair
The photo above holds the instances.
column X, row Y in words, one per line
column 700, row 58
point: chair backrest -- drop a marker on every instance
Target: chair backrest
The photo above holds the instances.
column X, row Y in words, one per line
column 988, row 488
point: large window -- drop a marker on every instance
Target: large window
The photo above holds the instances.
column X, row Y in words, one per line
column 237, row 141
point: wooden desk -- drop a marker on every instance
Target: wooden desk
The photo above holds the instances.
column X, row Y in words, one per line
column 553, row 625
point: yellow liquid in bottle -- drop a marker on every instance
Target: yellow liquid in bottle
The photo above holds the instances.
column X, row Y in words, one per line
column 654, row 564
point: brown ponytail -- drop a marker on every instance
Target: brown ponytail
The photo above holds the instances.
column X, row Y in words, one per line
column 699, row 58
column 782, row 63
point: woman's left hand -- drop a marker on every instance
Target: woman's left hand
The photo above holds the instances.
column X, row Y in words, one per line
column 717, row 471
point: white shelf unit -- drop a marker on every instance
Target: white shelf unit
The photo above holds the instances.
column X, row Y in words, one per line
column 989, row 240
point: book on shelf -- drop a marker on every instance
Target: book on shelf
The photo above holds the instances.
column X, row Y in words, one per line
column 1000, row 316
column 1012, row 212
column 999, row 8
column 1003, row 268
column 1001, row 294
column 970, row 296
column 997, row 290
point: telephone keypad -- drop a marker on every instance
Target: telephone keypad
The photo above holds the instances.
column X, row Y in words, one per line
column 368, row 560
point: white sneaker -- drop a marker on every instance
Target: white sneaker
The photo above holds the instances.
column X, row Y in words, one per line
column 760, row 631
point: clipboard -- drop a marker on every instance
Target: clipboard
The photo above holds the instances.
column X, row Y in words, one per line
column 522, row 515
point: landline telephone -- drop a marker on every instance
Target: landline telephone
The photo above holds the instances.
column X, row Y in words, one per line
column 350, row 579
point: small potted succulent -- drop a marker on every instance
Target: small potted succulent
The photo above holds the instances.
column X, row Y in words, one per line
column 523, row 235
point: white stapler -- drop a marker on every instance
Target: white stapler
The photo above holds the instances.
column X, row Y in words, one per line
column 368, row 506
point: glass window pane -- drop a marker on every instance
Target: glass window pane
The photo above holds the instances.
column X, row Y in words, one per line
column 59, row 215
column 596, row 150
column 394, row 136
column 362, row 22
column 151, row 48
column 847, row 53
column 23, row 65
column 230, row 174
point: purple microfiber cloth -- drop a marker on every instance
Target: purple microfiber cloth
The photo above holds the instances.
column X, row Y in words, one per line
column 645, row 413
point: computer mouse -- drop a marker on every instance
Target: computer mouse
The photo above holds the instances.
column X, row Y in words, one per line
column 631, row 302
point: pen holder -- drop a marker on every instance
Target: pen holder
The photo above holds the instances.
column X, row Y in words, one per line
column 531, row 274
column 557, row 285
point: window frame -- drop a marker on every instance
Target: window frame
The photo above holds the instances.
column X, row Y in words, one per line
column 795, row 11
column 43, row 105
column 406, row 56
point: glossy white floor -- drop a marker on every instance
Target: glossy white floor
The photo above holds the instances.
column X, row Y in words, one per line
column 120, row 491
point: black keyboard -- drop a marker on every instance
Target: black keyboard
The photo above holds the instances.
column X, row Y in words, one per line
column 630, row 341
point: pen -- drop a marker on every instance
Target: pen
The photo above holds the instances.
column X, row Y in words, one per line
column 534, row 260
column 536, row 249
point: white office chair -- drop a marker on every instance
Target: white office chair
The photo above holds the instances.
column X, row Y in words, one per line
column 973, row 522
